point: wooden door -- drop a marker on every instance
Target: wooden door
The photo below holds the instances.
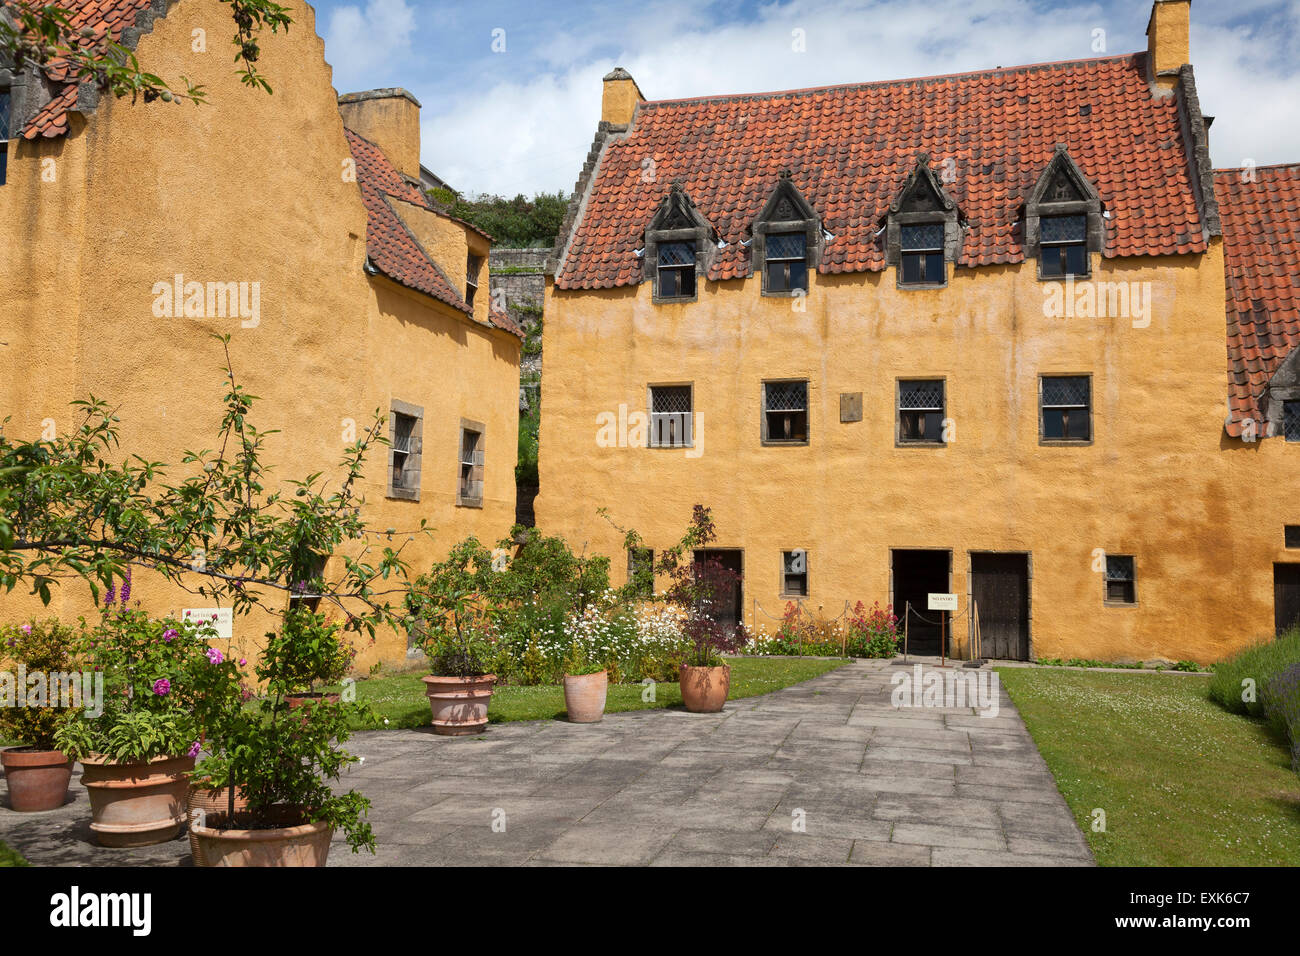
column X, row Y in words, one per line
column 1286, row 596
column 1000, row 589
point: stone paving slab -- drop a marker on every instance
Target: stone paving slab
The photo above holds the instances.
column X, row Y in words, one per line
column 825, row 773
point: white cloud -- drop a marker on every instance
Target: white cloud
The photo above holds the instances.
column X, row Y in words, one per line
column 360, row 42
column 528, row 134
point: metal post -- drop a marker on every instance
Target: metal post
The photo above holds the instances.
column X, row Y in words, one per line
column 907, row 620
column 943, row 636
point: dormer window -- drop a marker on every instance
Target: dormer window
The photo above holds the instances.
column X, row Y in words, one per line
column 923, row 229
column 922, row 254
column 473, row 265
column 1063, row 223
column 676, row 270
column 679, row 243
column 1062, row 246
column 787, row 240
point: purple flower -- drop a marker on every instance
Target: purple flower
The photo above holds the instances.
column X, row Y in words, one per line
column 111, row 596
column 194, row 750
column 215, row 656
column 168, row 635
column 126, row 587
column 162, row 686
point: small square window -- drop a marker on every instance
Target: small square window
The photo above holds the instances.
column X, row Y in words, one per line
column 785, row 412
column 1121, row 579
column 922, row 254
column 787, row 262
column 404, row 447
column 1292, row 536
column 676, row 270
column 921, row 411
column 469, row 491
column 1066, row 408
column 794, row 573
column 640, row 571
column 1063, row 246
column 671, row 415
column 1291, row 420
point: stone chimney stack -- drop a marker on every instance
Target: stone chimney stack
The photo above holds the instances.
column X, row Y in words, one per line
column 620, row 97
column 1168, row 46
column 389, row 118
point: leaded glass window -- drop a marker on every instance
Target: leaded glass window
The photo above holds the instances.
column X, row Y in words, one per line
column 671, row 413
column 1067, row 408
column 922, row 254
column 921, row 411
column 1063, row 246
column 1121, row 579
column 787, row 261
column 676, row 270
column 785, row 411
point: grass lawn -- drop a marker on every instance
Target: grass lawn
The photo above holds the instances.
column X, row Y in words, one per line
column 9, row 858
column 399, row 696
column 1182, row 782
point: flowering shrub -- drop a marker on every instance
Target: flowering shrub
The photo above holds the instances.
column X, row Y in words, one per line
column 162, row 686
column 863, row 633
column 874, row 632
column 322, row 655
column 45, row 646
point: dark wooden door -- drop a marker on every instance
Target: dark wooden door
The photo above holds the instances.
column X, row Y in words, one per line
column 1000, row 588
column 727, row 609
column 1286, row 596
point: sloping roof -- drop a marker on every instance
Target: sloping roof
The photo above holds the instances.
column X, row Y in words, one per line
column 849, row 149
column 391, row 247
column 1260, row 208
column 103, row 17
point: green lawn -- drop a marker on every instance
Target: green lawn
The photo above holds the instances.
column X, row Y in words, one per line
column 1182, row 781
column 9, row 858
column 399, row 696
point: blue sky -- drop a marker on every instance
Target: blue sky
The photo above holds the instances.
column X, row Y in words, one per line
column 521, row 119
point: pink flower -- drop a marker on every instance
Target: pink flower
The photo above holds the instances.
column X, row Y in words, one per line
column 194, row 750
column 162, row 686
column 243, row 662
column 168, row 635
column 26, row 628
column 215, row 656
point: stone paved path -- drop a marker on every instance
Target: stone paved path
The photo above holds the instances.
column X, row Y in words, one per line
column 872, row 785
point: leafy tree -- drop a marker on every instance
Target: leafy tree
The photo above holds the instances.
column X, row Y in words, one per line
column 42, row 34
column 511, row 222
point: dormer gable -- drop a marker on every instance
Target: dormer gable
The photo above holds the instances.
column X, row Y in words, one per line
column 923, row 229
column 679, row 247
column 1063, row 218
column 786, row 239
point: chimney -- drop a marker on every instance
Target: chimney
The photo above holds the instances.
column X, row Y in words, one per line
column 1168, row 47
column 620, row 98
column 389, row 118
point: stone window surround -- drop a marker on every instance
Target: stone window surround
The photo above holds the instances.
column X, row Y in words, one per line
column 701, row 234
column 1105, row 581
column 1283, row 387
column 480, row 457
column 899, row 440
column 762, row 405
column 1037, row 208
column 807, row 575
column 763, row 227
column 413, row 461
column 1092, row 418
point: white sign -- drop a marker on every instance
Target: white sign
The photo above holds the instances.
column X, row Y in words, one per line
column 943, row 602
column 220, row 618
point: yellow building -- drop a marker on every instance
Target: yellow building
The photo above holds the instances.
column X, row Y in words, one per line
column 960, row 334
column 293, row 222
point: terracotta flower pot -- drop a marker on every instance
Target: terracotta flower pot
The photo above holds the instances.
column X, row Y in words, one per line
column 136, row 804
column 459, row 704
column 704, row 689
column 299, row 700
column 38, row 779
column 290, row 842
column 202, row 805
column 584, row 697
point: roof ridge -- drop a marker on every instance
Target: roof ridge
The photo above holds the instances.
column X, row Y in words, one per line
column 1237, row 169
column 877, row 84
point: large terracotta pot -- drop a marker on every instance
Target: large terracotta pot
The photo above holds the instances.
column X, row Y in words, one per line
column 584, row 697
column 292, row 842
column 205, row 803
column 704, row 689
column 459, row 704
column 38, row 779
column 136, row 804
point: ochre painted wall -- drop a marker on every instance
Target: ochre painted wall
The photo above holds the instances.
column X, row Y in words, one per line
column 246, row 188
column 1158, row 481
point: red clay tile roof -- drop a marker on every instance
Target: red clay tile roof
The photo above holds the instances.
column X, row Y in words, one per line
column 103, row 17
column 390, row 246
column 1261, row 253
column 851, row 147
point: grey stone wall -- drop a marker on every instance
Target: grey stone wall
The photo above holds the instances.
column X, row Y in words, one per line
column 518, row 276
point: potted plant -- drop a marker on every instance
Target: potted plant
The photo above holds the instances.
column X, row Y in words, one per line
column 321, row 656
column 447, row 610
column 37, row 771
column 586, row 684
column 137, row 751
column 281, row 762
